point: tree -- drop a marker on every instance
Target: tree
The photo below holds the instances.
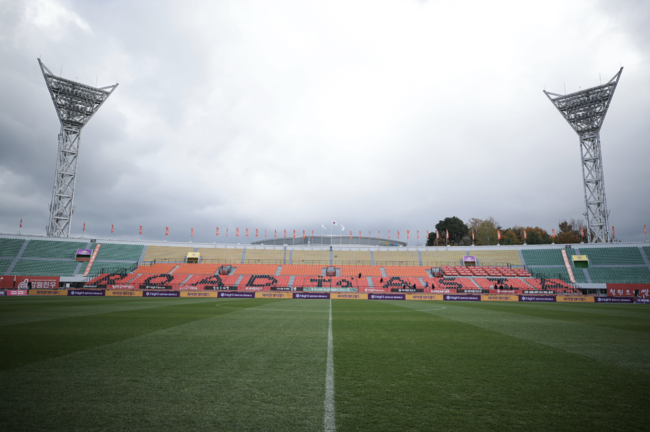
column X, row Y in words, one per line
column 431, row 239
column 508, row 237
column 569, row 231
column 537, row 235
column 457, row 228
column 486, row 231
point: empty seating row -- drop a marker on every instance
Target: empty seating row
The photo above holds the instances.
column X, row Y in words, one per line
column 619, row 274
column 439, row 258
column 406, row 271
column 364, row 270
column 167, row 253
column 558, row 273
column 255, row 269
column 264, row 256
column 201, row 281
column 351, row 257
column 396, row 258
column 4, row 265
column 52, row 249
column 199, row 269
column 547, row 257
column 10, row 247
column 613, row 255
column 100, row 267
column 156, row 268
column 111, row 251
column 26, row 267
column 496, row 257
column 221, row 254
column 297, row 270
column 300, row 256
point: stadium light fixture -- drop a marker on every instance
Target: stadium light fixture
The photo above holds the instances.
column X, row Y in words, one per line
column 585, row 112
column 75, row 104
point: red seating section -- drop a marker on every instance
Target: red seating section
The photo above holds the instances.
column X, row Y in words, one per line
column 158, row 279
column 451, row 283
column 492, row 271
column 159, row 268
column 255, row 269
column 364, row 270
column 302, row 270
column 201, row 281
column 197, row 269
column 406, row 271
column 329, row 281
column 396, row 282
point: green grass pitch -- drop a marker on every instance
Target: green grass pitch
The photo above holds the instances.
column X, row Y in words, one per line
column 215, row 364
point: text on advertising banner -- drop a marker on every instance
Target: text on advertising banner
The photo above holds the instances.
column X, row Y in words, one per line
column 86, row 293
column 574, row 299
column 273, row 295
column 236, row 294
column 348, row 296
column 499, row 297
column 111, row 293
column 438, row 297
column 533, row 298
column 161, row 294
column 386, row 296
column 48, row 292
column 614, row 299
column 450, row 297
column 200, row 294
column 316, row 296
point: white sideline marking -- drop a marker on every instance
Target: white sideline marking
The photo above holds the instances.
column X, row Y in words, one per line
column 329, row 423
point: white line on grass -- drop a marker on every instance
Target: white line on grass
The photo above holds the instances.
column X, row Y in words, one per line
column 257, row 308
column 329, row 423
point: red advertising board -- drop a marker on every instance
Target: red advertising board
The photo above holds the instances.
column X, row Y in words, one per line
column 17, row 292
column 7, row 281
column 38, row 282
column 627, row 290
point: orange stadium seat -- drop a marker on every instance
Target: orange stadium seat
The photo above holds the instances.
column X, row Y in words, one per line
column 197, row 269
column 396, row 282
column 256, row 269
column 159, row 268
column 364, row 270
column 406, row 271
column 302, row 270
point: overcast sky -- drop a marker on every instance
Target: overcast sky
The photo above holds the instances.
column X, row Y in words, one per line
column 383, row 115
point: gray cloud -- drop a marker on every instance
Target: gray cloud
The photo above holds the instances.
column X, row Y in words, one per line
column 283, row 115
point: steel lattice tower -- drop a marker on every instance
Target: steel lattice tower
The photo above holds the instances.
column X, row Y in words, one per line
column 75, row 104
column 585, row 111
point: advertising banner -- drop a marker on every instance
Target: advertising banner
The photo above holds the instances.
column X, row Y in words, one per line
column 114, row 293
column 642, row 300
column 462, row 297
column 538, row 292
column 120, row 287
column 348, row 296
column 470, row 291
column 220, row 288
column 500, row 297
column 199, row 294
column 574, row 299
column 329, row 289
column 317, row 296
column 86, row 293
column 257, row 288
column 273, row 295
column 614, row 299
column 38, row 282
column 3, row 292
column 161, row 294
column 424, row 297
column 500, row 291
column 236, row 294
column 627, row 290
column 444, row 291
column 386, row 296
column 48, row 292
column 371, row 290
column 537, row 298
column 7, row 281
column 17, row 292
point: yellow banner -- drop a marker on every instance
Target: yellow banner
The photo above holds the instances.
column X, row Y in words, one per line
column 348, row 296
column 273, row 295
column 574, row 299
column 200, row 294
column 580, row 258
column 499, row 297
column 123, row 293
column 424, row 297
column 48, row 292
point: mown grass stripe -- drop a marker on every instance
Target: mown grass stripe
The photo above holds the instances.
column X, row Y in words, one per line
column 330, row 418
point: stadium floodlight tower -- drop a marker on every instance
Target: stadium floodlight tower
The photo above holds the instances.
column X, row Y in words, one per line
column 585, row 111
column 75, row 104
